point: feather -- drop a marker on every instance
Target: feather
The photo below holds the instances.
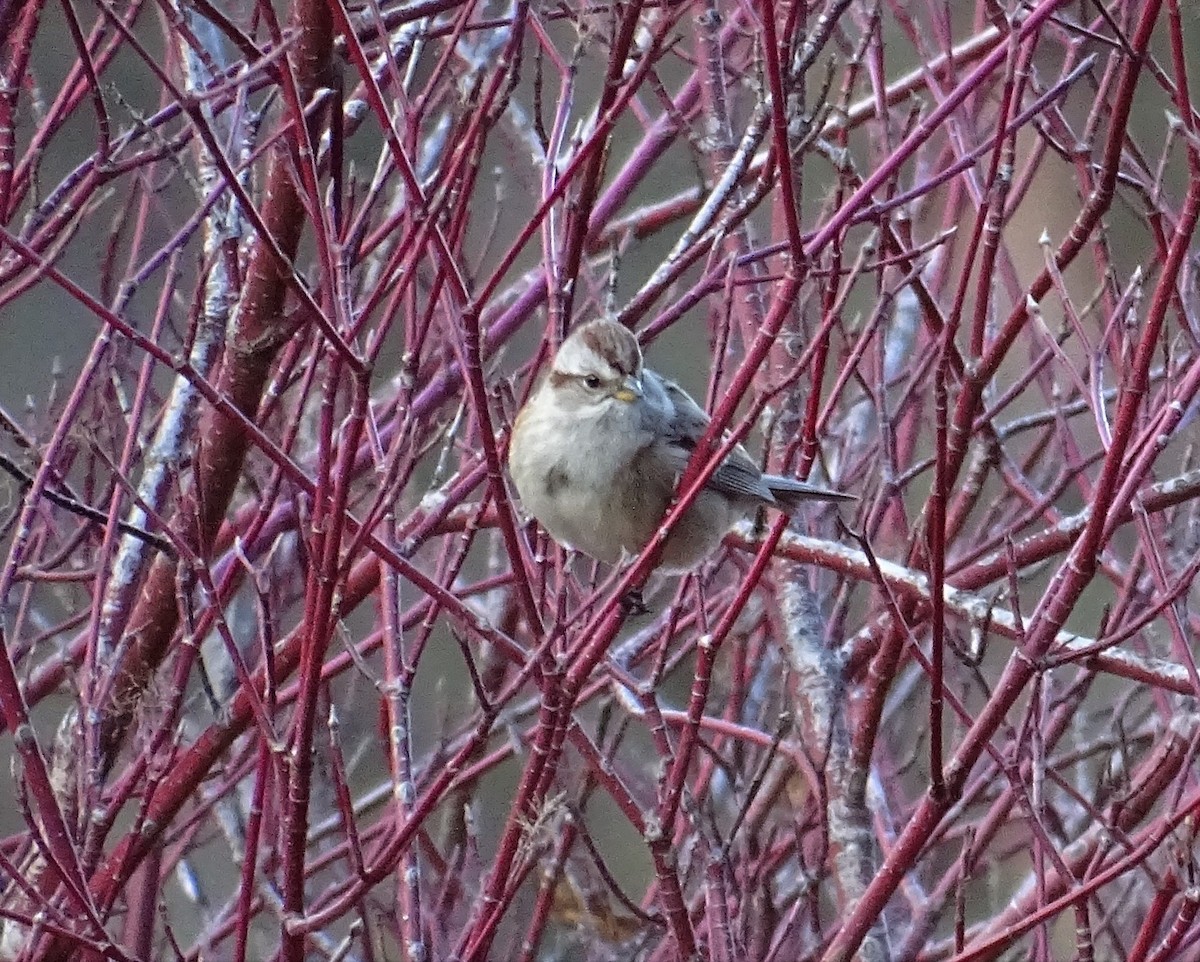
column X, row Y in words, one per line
column 738, row 476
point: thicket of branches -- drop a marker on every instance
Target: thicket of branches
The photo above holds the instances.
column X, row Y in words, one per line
column 287, row 674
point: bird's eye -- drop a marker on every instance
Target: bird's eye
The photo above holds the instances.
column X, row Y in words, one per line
column 591, row 382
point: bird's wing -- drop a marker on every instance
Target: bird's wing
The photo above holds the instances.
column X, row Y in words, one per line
column 738, row 475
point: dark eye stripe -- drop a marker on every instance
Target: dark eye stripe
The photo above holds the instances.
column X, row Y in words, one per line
column 560, row 379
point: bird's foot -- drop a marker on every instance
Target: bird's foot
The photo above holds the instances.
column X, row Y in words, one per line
column 633, row 604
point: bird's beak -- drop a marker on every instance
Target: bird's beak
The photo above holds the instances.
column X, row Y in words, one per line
column 629, row 391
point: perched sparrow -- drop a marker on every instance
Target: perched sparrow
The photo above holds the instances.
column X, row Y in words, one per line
column 599, row 447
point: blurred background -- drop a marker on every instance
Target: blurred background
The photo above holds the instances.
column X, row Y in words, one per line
column 288, row 673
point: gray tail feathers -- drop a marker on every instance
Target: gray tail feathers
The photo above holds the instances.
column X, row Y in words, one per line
column 789, row 493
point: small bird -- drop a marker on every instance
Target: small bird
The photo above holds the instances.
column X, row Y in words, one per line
column 599, row 447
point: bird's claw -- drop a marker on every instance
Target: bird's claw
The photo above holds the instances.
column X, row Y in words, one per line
column 633, row 604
